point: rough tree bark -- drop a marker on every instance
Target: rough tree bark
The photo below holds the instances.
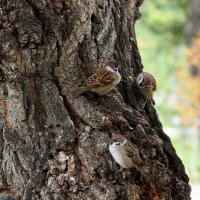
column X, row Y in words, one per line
column 56, row 147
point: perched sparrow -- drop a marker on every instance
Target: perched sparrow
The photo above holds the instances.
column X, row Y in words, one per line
column 146, row 84
column 104, row 80
column 125, row 153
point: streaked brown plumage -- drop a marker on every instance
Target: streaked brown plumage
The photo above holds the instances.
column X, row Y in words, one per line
column 146, row 83
column 104, row 80
column 126, row 154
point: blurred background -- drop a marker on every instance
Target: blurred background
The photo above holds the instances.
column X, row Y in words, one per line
column 168, row 37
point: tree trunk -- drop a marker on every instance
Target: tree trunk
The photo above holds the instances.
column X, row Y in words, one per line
column 193, row 24
column 54, row 146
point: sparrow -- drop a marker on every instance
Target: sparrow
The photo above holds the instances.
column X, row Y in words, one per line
column 146, row 83
column 103, row 81
column 126, row 154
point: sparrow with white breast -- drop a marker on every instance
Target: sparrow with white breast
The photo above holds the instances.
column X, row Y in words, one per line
column 103, row 81
column 126, row 154
column 146, row 84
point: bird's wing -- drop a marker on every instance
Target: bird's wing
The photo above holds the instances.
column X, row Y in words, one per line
column 133, row 152
column 100, row 78
column 154, row 88
column 154, row 85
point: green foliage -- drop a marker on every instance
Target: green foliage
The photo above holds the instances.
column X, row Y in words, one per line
column 188, row 148
column 165, row 17
column 162, row 47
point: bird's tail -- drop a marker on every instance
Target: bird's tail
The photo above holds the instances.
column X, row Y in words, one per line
column 78, row 91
